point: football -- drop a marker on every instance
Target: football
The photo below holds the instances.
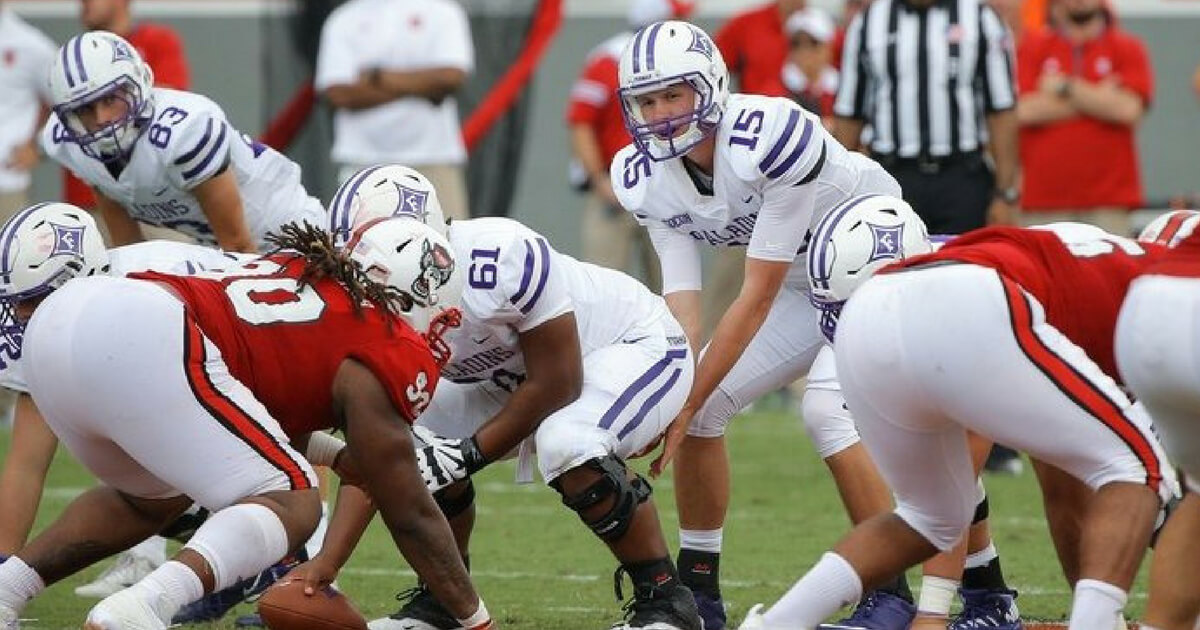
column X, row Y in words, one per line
column 284, row 606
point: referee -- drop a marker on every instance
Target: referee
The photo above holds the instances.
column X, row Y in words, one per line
column 934, row 81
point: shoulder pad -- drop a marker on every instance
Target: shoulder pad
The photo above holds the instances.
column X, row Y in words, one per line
column 764, row 137
column 631, row 172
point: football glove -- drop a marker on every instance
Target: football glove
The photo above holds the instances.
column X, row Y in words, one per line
column 443, row 461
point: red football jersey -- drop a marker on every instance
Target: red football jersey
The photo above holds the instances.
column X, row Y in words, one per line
column 285, row 344
column 1079, row 276
column 1183, row 260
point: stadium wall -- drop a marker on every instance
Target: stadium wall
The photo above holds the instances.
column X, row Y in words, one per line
column 242, row 55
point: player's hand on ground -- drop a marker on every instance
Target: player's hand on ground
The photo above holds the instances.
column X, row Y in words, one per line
column 671, row 441
column 315, row 573
column 440, row 460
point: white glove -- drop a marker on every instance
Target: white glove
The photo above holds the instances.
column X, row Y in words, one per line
column 441, row 461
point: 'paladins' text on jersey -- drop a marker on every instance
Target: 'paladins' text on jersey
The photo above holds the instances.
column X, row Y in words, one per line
column 187, row 141
column 516, row 282
column 768, row 151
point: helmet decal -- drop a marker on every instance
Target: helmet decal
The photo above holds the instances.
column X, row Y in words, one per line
column 67, row 240
column 887, row 241
column 701, row 43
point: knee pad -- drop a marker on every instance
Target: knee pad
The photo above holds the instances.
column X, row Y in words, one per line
column 828, row 422
column 239, row 542
column 626, row 494
column 714, row 416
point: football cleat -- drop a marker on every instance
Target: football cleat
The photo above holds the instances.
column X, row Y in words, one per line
column 420, row 611
column 669, row 607
column 711, row 609
column 987, row 608
column 129, row 609
column 128, row 570
column 879, row 610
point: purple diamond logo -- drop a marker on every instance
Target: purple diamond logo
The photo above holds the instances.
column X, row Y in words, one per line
column 701, row 43
column 412, row 202
column 67, row 240
column 121, row 51
column 887, row 242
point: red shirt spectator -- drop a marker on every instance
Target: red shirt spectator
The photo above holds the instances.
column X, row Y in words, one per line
column 594, row 101
column 162, row 49
column 1060, row 157
column 755, row 46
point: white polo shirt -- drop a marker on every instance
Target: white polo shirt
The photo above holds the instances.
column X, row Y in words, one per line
column 401, row 35
column 25, row 58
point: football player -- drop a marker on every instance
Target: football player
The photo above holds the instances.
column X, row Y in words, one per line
column 1156, row 353
column 172, row 389
column 712, row 169
column 996, row 311
column 580, row 364
column 164, row 157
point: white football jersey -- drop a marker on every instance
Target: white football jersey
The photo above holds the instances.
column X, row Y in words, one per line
column 776, row 171
column 187, row 142
column 165, row 256
column 516, row 281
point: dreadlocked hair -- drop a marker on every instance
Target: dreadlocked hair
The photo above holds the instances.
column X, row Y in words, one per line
column 322, row 259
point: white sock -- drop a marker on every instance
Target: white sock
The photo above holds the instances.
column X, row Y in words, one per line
column 708, row 540
column 313, row 545
column 982, row 557
column 176, row 584
column 1097, row 605
column 153, row 549
column 827, row 587
column 19, row 583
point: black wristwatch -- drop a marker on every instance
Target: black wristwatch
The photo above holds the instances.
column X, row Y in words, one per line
column 1010, row 195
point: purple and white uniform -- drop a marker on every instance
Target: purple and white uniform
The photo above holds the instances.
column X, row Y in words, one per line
column 188, row 141
column 637, row 365
column 777, row 170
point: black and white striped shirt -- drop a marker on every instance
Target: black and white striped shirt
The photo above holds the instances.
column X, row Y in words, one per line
column 924, row 79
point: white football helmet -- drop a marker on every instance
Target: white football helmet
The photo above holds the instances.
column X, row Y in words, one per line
column 1169, row 228
column 415, row 260
column 664, row 54
column 384, row 191
column 853, row 241
column 42, row 247
column 94, row 66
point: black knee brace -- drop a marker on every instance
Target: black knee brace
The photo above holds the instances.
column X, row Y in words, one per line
column 614, row 482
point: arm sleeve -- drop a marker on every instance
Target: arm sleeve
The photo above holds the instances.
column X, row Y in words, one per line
column 199, row 149
column 995, row 62
column 526, row 287
column 406, row 369
column 851, row 101
column 592, row 91
column 336, row 62
column 1135, row 70
column 678, row 257
column 12, row 374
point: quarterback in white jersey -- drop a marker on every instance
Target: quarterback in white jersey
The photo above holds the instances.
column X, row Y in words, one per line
column 708, row 168
column 581, row 365
column 164, row 157
column 30, row 270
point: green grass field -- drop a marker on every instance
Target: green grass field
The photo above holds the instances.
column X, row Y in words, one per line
column 540, row 569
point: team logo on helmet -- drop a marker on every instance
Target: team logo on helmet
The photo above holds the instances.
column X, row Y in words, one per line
column 412, row 202
column 120, row 50
column 436, row 267
column 887, row 241
column 700, row 43
column 67, row 240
